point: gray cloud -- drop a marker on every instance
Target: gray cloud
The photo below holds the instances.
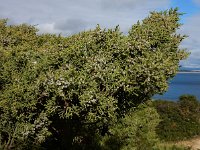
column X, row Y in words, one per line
column 70, row 16
column 197, row 2
column 133, row 4
column 71, row 25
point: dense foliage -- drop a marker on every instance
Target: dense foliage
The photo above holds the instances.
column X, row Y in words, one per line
column 180, row 120
column 69, row 91
column 136, row 131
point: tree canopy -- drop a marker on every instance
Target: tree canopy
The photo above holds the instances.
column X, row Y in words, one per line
column 54, row 88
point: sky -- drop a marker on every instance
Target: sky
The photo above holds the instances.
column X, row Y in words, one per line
column 67, row 17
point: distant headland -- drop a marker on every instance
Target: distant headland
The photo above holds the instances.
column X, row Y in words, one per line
column 189, row 71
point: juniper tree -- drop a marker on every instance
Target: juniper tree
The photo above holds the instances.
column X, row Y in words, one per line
column 68, row 88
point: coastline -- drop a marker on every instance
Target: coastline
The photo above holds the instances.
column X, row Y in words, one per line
column 189, row 72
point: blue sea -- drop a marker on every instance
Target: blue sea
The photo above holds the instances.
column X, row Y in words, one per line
column 182, row 83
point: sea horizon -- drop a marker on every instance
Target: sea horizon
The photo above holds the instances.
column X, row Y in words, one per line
column 186, row 82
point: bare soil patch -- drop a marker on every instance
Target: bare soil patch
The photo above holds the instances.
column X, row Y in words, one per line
column 194, row 143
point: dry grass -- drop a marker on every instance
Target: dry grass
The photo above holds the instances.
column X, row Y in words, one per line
column 194, row 143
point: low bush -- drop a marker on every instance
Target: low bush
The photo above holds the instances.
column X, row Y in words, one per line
column 180, row 120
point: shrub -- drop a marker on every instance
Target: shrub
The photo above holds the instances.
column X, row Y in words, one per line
column 64, row 90
column 180, row 120
column 135, row 131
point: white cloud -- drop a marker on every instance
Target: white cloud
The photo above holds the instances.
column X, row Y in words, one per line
column 52, row 16
column 47, row 28
column 192, row 43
